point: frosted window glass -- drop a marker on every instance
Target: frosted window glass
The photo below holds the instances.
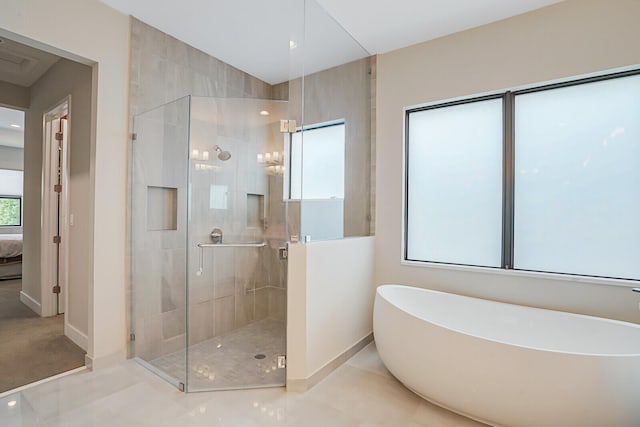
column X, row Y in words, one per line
column 577, row 194
column 317, row 163
column 455, row 184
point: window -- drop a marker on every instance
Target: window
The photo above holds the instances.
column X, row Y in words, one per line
column 10, row 211
column 557, row 192
column 454, row 180
column 317, row 162
column 577, row 176
column 10, row 198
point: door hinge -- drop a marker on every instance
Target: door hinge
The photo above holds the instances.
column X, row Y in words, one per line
column 58, row 136
column 282, row 362
column 56, row 289
column 57, row 188
column 283, row 253
column 57, row 240
column 132, row 336
column 134, row 136
column 287, row 126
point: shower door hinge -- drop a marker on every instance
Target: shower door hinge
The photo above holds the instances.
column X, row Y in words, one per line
column 283, row 253
column 287, row 126
column 56, row 289
column 282, row 362
column 132, row 337
column 57, row 240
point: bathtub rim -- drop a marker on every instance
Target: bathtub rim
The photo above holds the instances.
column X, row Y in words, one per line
column 457, row 331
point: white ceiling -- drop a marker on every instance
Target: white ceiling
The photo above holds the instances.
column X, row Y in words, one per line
column 11, row 136
column 382, row 26
column 254, row 35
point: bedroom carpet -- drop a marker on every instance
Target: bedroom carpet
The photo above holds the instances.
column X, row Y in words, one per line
column 31, row 347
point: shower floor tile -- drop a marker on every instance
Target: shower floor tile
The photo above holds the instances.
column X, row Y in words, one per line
column 229, row 360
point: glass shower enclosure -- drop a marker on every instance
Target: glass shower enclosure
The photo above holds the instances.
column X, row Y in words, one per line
column 208, row 243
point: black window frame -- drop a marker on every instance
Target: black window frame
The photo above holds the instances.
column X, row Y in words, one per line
column 19, row 199
column 508, row 162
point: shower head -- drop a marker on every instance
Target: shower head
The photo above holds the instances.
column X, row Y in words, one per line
column 223, row 155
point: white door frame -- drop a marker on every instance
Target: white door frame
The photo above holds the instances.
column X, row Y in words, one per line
column 51, row 305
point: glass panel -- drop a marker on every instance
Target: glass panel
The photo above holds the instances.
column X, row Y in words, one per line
column 577, row 202
column 237, row 287
column 323, row 167
column 158, row 239
column 338, row 86
column 454, row 185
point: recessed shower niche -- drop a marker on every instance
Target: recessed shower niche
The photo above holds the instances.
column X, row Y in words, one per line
column 162, row 208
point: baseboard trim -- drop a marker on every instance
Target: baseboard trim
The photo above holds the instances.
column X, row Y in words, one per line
column 304, row 384
column 74, row 334
column 34, row 305
column 94, row 363
column 46, row 380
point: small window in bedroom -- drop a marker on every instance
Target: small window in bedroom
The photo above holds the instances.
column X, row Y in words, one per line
column 10, row 198
column 10, row 211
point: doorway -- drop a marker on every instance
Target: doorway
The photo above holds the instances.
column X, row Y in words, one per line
column 44, row 306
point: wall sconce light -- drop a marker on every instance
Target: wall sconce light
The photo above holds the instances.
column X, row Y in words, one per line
column 273, row 158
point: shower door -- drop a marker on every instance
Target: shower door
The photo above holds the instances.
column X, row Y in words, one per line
column 237, row 238
column 159, row 194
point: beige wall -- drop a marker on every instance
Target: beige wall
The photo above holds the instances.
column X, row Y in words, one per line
column 63, row 79
column 13, row 95
column 330, row 303
column 97, row 36
column 11, row 158
column 567, row 39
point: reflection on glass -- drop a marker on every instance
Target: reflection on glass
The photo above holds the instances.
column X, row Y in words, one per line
column 218, row 196
column 321, row 169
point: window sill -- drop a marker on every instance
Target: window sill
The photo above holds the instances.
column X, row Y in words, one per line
column 625, row 283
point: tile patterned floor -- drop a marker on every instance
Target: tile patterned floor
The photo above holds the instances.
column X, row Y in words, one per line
column 228, row 361
column 359, row 393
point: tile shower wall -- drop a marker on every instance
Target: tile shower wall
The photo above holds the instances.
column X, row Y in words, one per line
column 239, row 285
column 164, row 69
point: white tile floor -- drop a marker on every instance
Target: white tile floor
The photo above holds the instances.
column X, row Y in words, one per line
column 359, row 393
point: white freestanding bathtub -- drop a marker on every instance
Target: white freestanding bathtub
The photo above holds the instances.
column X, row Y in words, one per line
column 510, row 365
